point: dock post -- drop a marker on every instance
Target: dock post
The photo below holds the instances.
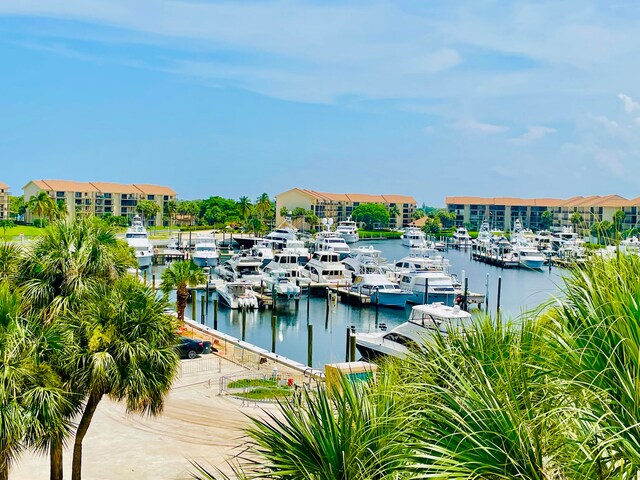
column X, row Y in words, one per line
column 194, row 304
column 466, row 292
column 215, row 314
column 274, row 320
column 352, row 347
column 310, row 345
column 486, row 295
column 274, row 301
column 145, row 277
column 308, row 296
column 426, row 291
column 347, row 356
column 498, row 297
column 327, row 307
column 153, row 281
column 244, row 323
column 202, row 300
column 377, row 305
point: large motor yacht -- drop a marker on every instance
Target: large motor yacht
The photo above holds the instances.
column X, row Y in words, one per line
column 325, row 267
column 461, row 237
column 425, row 322
column 413, row 237
column 381, row 290
column 241, row 267
column 364, row 260
column 438, row 285
column 138, row 238
column 328, row 240
column 348, row 229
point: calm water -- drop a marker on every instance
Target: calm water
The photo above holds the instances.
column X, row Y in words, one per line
column 521, row 290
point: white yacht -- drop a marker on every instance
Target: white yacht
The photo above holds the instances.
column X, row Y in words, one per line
column 138, row 238
column 241, row 267
column 325, row 267
column 278, row 282
column 461, row 237
column 281, row 235
column 263, row 250
column 523, row 250
column 348, row 229
column 425, row 322
column 440, row 287
column 484, row 234
column 290, row 263
column 364, row 260
column 297, row 248
column 238, row 295
column 381, row 290
column 327, row 240
column 412, row 263
column 205, row 252
column 413, row 237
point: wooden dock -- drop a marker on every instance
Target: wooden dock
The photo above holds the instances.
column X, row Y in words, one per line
column 482, row 254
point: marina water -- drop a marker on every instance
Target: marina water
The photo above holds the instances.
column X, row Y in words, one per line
column 521, row 290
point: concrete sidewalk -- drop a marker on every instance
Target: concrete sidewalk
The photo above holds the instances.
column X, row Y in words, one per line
column 197, row 425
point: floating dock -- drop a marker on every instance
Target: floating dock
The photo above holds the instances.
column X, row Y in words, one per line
column 482, row 254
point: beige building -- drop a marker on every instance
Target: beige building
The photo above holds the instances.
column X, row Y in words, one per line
column 501, row 212
column 4, row 201
column 339, row 206
column 99, row 198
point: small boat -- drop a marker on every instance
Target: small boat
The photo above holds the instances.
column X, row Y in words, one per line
column 278, row 282
column 238, row 295
column 348, row 230
column 413, row 237
column 381, row 290
column 425, row 322
column 138, row 238
column 440, row 287
column 205, row 252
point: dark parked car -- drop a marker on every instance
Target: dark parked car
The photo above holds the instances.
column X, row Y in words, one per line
column 191, row 348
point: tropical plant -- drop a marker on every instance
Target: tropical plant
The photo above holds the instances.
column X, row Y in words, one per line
column 394, row 212
column 6, row 223
column 9, row 261
column 171, row 209
column 180, row 275
column 148, row 208
column 17, row 206
column 546, row 220
column 127, row 350
column 576, row 220
column 263, row 207
column 41, row 205
column 348, row 431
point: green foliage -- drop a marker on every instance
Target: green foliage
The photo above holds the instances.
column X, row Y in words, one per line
column 17, row 206
column 546, row 220
column 115, row 221
column 148, row 208
column 180, row 275
column 6, row 223
column 40, row 222
column 432, row 226
column 266, row 393
column 253, row 382
column 372, row 215
column 41, row 205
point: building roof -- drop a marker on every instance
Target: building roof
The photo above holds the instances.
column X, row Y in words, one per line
column 154, row 189
column 4, row 185
column 421, row 222
column 354, row 197
column 101, row 187
column 577, row 201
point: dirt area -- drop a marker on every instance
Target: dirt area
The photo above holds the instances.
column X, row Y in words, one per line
column 197, row 425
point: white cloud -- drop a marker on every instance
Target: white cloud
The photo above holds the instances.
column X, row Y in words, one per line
column 533, row 134
column 630, row 105
column 479, row 127
column 610, row 159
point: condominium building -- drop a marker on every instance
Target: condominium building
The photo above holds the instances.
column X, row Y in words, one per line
column 339, row 206
column 502, row 212
column 4, row 201
column 99, row 198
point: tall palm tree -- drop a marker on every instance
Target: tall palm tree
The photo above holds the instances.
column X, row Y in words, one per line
column 179, row 275
column 244, row 207
column 55, row 274
column 171, row 208
column 127, row 350
column 263, row 206
column 394, row 212
column 9, row 261
column 41, row 205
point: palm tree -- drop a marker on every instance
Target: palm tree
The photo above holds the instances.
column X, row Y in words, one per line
column 41, row 205
column 576, row 219
column 347, row 431
column 244, row 207
column 171, row 208
column 127, row 351
column 179, row 275
column 263, row 206
column 393, row 214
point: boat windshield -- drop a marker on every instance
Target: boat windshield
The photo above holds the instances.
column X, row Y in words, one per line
column 136, row 235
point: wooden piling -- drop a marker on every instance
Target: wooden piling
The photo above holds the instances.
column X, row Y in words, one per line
column 215, row 314
column 274, row 321
column 203, row 298
column 347, row 356
column 310, row 345
column 194, row 304
column 352, row 347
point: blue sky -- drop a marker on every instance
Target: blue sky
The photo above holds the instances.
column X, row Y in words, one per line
column 427, row 98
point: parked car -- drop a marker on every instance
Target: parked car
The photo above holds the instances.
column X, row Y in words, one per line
column 192, row 347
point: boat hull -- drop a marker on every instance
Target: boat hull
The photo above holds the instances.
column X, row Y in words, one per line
column 144, row 261
column 532, row 264
column 393, row 300
column 205, row 261
column 350, row 237
column 445, row 298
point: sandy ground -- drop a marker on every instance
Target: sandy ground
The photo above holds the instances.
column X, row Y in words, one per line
column 197, row 425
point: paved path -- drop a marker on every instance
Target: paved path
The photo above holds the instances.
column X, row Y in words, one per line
column 197, row 425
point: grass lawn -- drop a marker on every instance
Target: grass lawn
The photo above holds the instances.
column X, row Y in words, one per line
column 13, row 233
column 253, row 382
column 264, row 393
column 364, row 234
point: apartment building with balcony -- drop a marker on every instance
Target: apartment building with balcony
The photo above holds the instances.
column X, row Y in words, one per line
column 4, row 201
column 502, row 212
column 339, row 206
column 99, row 198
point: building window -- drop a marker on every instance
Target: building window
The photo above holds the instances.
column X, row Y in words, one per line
column 151, row 197
column 78, row 194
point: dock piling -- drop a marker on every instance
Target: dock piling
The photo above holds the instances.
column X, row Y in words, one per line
column 153, row 281
column 498, row 296
column 202, row 307
column 194, row 304
column 274, row 321
column 352, row 347
column 215, row 314
column 310, row 345
column 244, row 323
column 347, row 356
